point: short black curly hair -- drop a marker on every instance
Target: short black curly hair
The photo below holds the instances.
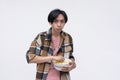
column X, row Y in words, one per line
column 54, row 14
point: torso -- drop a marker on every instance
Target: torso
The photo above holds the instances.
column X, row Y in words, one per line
column 54, row 74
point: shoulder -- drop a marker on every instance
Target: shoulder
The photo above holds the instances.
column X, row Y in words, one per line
column 41, row 34
column 67, row 35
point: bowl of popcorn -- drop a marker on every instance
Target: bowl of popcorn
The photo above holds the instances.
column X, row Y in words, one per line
column 58, row 65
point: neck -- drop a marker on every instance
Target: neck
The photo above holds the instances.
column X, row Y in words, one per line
column 55, row 34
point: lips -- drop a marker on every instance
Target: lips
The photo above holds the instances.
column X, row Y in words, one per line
column 59, row 28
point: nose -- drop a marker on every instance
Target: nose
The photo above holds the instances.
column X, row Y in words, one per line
column 58, row 24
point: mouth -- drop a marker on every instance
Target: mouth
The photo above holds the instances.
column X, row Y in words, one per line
column 59, row 28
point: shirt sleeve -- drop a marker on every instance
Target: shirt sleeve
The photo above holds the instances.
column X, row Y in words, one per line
column 34, row 49
column 71, row 43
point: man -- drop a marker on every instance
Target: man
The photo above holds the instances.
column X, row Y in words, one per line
column 51, row 45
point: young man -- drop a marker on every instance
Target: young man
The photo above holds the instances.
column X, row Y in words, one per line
column 50, row 45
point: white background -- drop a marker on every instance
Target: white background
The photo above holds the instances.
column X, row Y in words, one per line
column 93, row 24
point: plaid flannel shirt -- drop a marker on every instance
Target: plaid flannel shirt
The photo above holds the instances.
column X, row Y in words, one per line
column 41, row 46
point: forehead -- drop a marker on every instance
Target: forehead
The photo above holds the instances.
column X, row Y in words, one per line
column 60, row 17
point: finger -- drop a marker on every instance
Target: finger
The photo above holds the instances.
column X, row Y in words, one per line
column 64, row 67
column 65, row 70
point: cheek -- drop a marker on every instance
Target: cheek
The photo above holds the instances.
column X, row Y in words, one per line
column 53, row 25
column 62, row 26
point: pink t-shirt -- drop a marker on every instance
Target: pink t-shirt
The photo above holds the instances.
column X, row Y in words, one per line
column 54, row 74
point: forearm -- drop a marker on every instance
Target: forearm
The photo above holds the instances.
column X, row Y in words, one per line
column 70, row 67
column 73, row 62
column 41, row 59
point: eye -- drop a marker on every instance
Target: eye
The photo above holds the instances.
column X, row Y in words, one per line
column 61, row 21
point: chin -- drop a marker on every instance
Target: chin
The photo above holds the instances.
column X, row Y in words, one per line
column 59, row 30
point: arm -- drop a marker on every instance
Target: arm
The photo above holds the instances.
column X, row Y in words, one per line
column 40, row 59
column 71, row 67
column 33, row 54
column 72, row 64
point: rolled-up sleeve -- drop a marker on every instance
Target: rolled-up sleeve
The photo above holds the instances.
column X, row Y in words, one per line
column 34, row 49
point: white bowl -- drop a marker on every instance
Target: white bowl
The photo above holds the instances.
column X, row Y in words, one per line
column 59, row 65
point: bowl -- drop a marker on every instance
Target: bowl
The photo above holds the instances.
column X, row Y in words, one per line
column 58, row 65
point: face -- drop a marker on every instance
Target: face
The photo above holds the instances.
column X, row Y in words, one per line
column 58, row 24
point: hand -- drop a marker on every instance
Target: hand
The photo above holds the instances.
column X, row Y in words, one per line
column 58, row 58
column 70, row 67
